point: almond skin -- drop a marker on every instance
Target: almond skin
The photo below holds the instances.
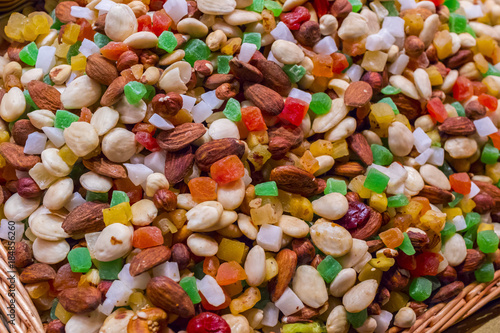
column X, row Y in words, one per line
column 37, row 273
column 370, row 228
column 166, row 294
column 149, row 258
column 178, row 163
column 15, row 156
column 273, row 76
column 447, row 292
column 457, row 126
column 287, row 262
column 266, row 99
column 101, row 69
column 63, row 11
column 114, row 91
column 436, row 195
column 181, row 136
column 292, row 179
column 106, row 168
column 358, row 94
column 210, row 152
column 359, row 144
column 80, row 299
column 85, row 218
column 45, row 96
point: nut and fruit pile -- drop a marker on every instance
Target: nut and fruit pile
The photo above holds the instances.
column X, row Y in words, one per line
column 240, row 166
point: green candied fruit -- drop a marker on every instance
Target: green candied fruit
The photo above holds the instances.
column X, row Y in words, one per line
column 452, row 5
column 446, row 169
column 267, row 189
column 64, row 119
column 335, row 186
column 101, row 40
column 459, row 108
column 390, row 90
column 398, row 200
column 264, row 298
column 492, row 71
column 57, row 24
column 470, row 31
column 73, row 51
column 196, row 49
column 252, row 38
column 79, row 260
column 356, row 5
column 448, row 231
column 256, row 6
column 389, row 101
column 314, row 327
column 381, row 155
column 94, row 196
column 198, row 270
column 376, row 181
column 109, row 270
column 118, row 197
column 485, row 273
column 167, row 41
column 53, row 309
column 47, row 80
column 223, row 64
column 420, row 289
column 189, row 285
column 357, row 319
column 391, row 8
column 294, row 72
column 29, row 100
column 472, row 220
column 29, row 53
column 407, row 246
column 150, row 92
column 232, row 110
column 487, row 241
column 457, row 23
column 274, row 6
column 490, row 154
column 134, row 91
column 457, row 199
column 321, row 103
column 329, row 268
column 470, row 237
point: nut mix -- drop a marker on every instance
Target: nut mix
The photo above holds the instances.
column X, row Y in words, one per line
column 250, row 166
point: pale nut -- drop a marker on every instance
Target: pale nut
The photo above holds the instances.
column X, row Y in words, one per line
column 118, row 145
column 325, row 162
column 154, row 182
column 58, row 194
column 81, row 92
column 115, row 241
column 332, row 206
column 13, row 104
column 287, row 52
column 120, row 22
column 331, row 239
column 131, row 113
column 360, row 296
column 216, row 7
column 293, row 226
column 344, row 281
column 455, row 250
column 215, row 39
column 400, row 139
column 17, row 208
column 431, row 26
column 405, row 317
column 309, row 286
column 138, row 7
column 353, row 26
column 186, row 201
column 41, row 118
column 81, row 138
column 255, row 266
column 435, row 177
column 104, row 119
column 204, row 215
column 60, row 74
column 143, row 212
column 48, row 227
column 328, row 24
column 94, row 182
column 30, row 75
column 192, row 27
column 337, row 321
column 241, row 17
column 231, row 195
column 12, row 68
column 223, row 128
column 325, row 122
column 369, row 326
column 460, row 147
column 344, row 129
column 175, row 77
column 422, row 83
column 49, row 252
column 141, row 40
column 407, row 87
column 150, row 76
column 117, row 321
column 85, row 323
column 237, row 323
column 358, row 250
column 202, row 245
column 414, row 182
column 54, row 164
column 247, row 227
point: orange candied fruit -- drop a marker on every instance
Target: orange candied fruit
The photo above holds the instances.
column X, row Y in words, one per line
column 147, row 237
column 460, row 183
column 86, row 31
column 462, row 89
column 211, row 266
column 392, row 238
column 490, row 102
column 113, row 50
column 253, row 119
column 85, row 115
column 143, row 127
column 227, row 170
column 203, row 189
column 229, row 273
column 426, row 205
column 322, row 65
column 436, row 109
column 339, row 62
column 495, row 139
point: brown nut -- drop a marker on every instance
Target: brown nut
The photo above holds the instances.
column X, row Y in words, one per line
column 308, row 33
column 20, row 131
column 418, row 238
column 484, row 203
column 27, row 188
column 447, row 276
column 447, row 292
column 126, row 60
column 375, row 80
column 147, row 320
column 37, row 273
column 181, row 255
column 473, row 261
column 304, row 249
column 341, row 8
column 396, row 279
column 23, row 255
column 55, row 326
column 227, row 90
column 287, row 262
column 165, row 199
column 167, row 105
column 474, row 110
column 80, row 299
column 203, row 68
column 414, row 46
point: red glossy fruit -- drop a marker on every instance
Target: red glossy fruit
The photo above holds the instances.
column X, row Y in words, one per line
column 147, row 140
column 321, row 7
column 113, row 50
column 144, row 23
column 253, row 119
column 489, row 101
column 227, row 170
column 161, row 22
column 147, row 237
column 406, row 261
column 207, row 322
column 436, row 109
column 462, row 89
column 294, row 111
column 293, row 19
column 339, row 62
column 460, row 183
column 427, row 264
column 357, row 215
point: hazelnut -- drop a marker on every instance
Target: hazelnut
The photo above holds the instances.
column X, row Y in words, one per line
column 474, row 110
column 23, row 255
column 181, row 255
column 396, row 278
column 167, row 105
column 20, row 131
column 484, row 203
column 203, row 68
column 374, row 79
column 126, row 60
column 341, row 8
column 418, row 307
column 308, row 33
column 227, row 90
column 414, row 46
column 99, row 24
column 55, row 326
column 148, row 58
column 165, row 199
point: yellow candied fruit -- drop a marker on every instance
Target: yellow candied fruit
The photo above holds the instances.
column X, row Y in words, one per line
column 70, row 34
column 4, row 136
column 321, row 147
column 340, row 149
column 413, row 24
column 413, row 209
column 67, row 155
column 434, row 135
column 432, row 220
column 230, row 250
column 38, row 289
column 231, row 46
column 481, row 63
column 382, row 113
column 467, row 205
column 396, row 301
column 245, row 301
column 121, row 213
column 382, row 262
column 78, row 62
column 493, row 171
column 443, row 44
column 62, row 50
column 356, row 185
column 233, row 289
column 3, row 162
column 183, row 116
column 271, row 268
column 62, row 314
column 485, row 226
column 452, row 212
column 486, row 45
column 309, row 163
column 492, row 85
column 259, row 155
column 15, row 26
column 434, row 75
column 262, row 214
column 137, row 301
column 369, row 272
column 257, row 137
column 378, row 201
column 301, row 208
column 41, row 23
column 29, row 31
column 374, row 61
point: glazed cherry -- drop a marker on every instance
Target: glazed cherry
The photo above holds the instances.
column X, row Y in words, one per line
column 356, row 216
column 207, row 322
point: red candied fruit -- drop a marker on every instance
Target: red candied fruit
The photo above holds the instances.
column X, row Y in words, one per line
column 321, row 7
column 144, row 23
column 460, row 183
column 427, row 264
column 293, row 19
column 113, row 50
column 462, row 89
column 227, row 169
column 161, row 22
column 147, row 140
column 405, row 261
column 340, row 62
column 86, row 31
column 495, row 139
column 147, row 237
column 479, row 88
column 436, row 109
column 134, row 192
column 294, row 111
column 437, row 2
column 208, row 322
column 490, row 102
column 253, row 119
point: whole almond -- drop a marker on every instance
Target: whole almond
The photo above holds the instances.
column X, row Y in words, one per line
column 436, row 195
column 349, row 169
column 215, row 80
column 484, row 203
column 181, row 136
column 473, row 261
column 85, row 218
column 275, row 77
column 45, row 96
column 20, row 131
column 166, row 294
column 149, row 258
column 460, row 58
column 292, row 179
column 178, row 163
column 370, row 228
column 80, row 299
column 287, row 262
column 492, row 190
column 447, row 276
column 104, row 167
column 305, row 251
column 114, row 91
column 15, row 156
column 101, row 69
column 266, row 99
column 447, row 292
column 474, row 110
column 359, row 144
column 126, row 60
column 37, row 273
column 358, row 94
column 63, row 11
column 457, row 126
column 243, row 70
column 210, row 152
column 282, row 139
column 407, row 106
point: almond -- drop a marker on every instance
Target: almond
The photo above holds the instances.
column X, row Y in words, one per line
column 303, row 315
column 407, row 106
column 104, row 167
column 473, row 261
column 126, row 60
column 273, row 76
column 15, row 156
column 45, row 96
column 37, row 273
column 447, row 292
column 181, row 255
column 370, row 228
column 305, row 251
column 484, row 203
column 178, row 163
column 243, row 70
column 292, row 179
column 474, row 110
column 266, row 99
column 396, row 278
column 287, row 262
column 210, row 152
column 358, row 94
column 418, row 238
column 375, row 245
column 215, row 80
column 63, row 11
column 282, row 139
column 436, row 195
column 114, row 91
column 457, row 126
column 418, row 307
column 359, row 144
column 490, row 189
column 80, row 299
column 23, row 254
column 349, row 169
column 149, row 258
column 460, row 58
column 101, row 69
column 180, row 137
column 447, row 276
column 164, row 293
column 85, row 218
column 20, row 131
